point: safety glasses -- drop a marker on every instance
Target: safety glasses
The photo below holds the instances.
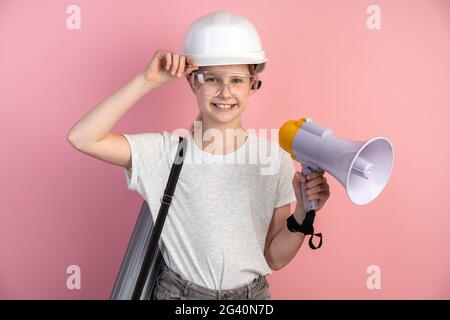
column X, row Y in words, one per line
column 211, row 83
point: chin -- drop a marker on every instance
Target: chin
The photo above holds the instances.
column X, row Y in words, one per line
column 224, row 118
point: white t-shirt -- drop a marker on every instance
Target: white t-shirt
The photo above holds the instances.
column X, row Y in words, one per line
column 217, row 223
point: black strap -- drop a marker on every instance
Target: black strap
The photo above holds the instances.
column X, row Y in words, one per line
column 311, row 244
column 162, row 214
column 310, row 215
column 306, row 227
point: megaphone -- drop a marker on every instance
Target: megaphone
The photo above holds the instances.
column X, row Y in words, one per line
column 362, row 167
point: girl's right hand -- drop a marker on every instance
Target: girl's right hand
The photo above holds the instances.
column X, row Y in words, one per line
column 166, row 66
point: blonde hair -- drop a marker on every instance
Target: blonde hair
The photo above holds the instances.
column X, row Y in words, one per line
column 253, row 68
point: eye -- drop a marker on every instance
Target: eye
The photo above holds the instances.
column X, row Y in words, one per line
column 210, row 79
column 237, row 80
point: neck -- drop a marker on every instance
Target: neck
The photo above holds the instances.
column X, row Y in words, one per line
column 220, row 137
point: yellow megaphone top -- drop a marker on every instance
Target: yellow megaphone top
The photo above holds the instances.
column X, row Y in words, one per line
column 287, row 134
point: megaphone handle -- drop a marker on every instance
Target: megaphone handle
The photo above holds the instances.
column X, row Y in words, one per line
column 309, row 205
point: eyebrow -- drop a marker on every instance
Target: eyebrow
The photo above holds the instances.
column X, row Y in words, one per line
column 227, row 73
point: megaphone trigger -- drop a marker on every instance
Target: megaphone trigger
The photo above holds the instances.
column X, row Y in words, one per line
column 308, row 204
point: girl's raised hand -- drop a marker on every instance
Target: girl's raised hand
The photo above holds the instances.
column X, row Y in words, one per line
column 166, row 66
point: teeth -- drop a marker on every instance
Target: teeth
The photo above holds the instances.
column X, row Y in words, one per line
column 224, row 106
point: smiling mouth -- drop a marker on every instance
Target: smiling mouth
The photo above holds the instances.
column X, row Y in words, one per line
column 224, row 107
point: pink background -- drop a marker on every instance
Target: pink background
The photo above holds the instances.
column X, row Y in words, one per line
column 59, row 207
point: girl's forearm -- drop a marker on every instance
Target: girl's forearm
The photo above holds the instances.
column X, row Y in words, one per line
column 95, row 124
column 285, row 245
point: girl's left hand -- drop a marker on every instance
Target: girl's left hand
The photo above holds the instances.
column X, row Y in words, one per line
column 316, row 188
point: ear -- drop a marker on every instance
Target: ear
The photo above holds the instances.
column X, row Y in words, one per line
column 257, row 85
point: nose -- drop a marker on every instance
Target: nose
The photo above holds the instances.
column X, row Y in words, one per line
column 225, row 92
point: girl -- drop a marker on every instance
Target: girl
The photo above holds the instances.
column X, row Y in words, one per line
column 226, row 228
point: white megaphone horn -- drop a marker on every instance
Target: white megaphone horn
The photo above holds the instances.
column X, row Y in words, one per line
column 362, row 167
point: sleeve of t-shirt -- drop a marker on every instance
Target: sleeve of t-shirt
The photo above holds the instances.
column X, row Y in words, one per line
column 149, row 156
column 285, row 191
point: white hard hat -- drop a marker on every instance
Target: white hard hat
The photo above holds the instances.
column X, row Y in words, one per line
column 224, row 38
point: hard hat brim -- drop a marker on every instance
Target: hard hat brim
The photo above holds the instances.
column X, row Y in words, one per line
column 203, row 61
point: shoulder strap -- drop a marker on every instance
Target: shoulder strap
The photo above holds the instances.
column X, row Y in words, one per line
column 174, row 174
column 166, row 199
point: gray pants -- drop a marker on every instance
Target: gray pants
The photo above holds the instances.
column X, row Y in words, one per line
column 171, row 286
